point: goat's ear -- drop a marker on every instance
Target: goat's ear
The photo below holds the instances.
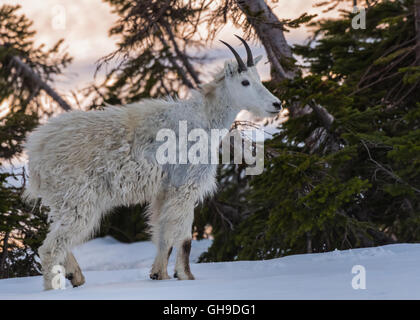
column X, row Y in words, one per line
column 257, row 59
column 229, row 69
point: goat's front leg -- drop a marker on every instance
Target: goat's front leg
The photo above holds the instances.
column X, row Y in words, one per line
column 171, row 223
column 182, row 266
column 159, row 226
column 182, row 243
column 160, row 265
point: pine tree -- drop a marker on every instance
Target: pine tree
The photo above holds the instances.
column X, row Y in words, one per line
column 353, row 183
column 25, row 72
column 151, row 60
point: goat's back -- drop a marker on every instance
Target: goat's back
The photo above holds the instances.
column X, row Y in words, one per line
column 81, row 154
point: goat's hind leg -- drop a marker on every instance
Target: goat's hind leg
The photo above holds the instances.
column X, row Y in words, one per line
column 52, row 253
column 73, row 271
column 69, row 229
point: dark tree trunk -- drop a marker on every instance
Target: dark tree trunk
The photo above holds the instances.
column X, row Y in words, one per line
column 417, row 26
column 269, row 30
column 4, row 255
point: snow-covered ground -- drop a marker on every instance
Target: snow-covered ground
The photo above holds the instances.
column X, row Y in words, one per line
column 115, row 270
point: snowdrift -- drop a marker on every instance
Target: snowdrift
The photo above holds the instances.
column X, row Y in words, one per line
column 115, row 270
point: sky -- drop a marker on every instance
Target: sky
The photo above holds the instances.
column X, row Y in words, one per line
column 84, row 24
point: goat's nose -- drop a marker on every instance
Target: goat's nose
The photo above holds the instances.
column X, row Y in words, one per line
column 277, row 105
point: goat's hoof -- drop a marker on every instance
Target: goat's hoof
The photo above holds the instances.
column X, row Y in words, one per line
column 69, row 276
column 189, row 277
column 159, row 276
column 76, row 280
column 184, row 276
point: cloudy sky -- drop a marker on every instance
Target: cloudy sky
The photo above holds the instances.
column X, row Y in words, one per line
column 85, row 30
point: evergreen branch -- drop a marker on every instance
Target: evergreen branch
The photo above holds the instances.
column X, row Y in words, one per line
column 383, row 71
column 181, row 56
column 389, row 172
column 179, row 69
column 41, row 83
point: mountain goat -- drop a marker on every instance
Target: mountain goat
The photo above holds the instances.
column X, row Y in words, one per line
column 83, row 164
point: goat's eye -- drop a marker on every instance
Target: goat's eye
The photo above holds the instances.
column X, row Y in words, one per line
column 245, row 83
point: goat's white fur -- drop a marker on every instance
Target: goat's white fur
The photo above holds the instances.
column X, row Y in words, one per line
column 83, row 164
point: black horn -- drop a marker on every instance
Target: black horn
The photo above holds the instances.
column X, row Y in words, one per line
column 250, row 59
column 241, row 64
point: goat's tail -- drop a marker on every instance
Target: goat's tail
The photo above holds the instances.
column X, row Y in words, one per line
column 31, row 193
column 33, row 147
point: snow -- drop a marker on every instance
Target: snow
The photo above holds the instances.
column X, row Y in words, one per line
column 115, row 270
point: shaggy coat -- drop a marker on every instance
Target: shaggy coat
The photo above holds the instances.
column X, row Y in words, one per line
column 83, row 164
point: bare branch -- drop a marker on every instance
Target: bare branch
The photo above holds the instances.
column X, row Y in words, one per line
column 41, row 83
column 389, row 172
